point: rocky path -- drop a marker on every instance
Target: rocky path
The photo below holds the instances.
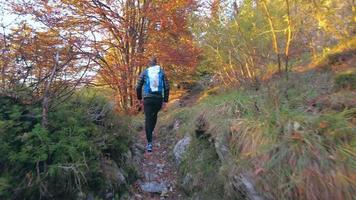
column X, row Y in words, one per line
column 158, row 174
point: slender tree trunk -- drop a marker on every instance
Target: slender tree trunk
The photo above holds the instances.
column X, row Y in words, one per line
column 289, row 39
column 274, row 36
column 47, row 94
column 3, row 68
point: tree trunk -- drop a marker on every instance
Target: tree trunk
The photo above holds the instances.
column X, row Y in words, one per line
column 289, row 39
column 47, row 94
column 274, row 36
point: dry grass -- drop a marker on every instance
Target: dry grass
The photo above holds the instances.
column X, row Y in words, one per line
column 293, row 152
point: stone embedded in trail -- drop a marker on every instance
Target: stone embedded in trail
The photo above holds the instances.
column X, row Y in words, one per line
column 180, row 148
column 160, row 165
column 150, row 176
column 154, row 187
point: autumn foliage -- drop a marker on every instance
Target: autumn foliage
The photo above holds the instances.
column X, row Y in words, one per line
column 120, row 37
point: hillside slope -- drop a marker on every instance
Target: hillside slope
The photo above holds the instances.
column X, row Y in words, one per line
column 291, row 139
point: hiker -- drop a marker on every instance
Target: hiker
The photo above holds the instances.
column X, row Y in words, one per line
column 155, row 95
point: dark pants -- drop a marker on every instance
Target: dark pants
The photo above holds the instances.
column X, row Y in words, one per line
column 151, row 107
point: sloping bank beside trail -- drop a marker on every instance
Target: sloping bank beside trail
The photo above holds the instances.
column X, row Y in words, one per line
column 290, row 139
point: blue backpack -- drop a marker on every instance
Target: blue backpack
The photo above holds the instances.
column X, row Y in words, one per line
column 154, row 80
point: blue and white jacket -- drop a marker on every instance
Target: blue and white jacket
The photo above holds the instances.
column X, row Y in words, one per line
column 154, row 84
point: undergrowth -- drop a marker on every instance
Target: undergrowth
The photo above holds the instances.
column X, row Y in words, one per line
column 63, row 161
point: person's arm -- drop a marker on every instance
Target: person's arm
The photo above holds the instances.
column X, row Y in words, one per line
column 139, row 85
column 166, row 88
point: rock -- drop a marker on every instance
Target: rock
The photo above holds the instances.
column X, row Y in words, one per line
column 154, row 187
column 112, row 172
column 140, row 147
column 164, row 194
column 138, row 196
column 137, row 151
column 244, row 185
column 180, row 148
column 160, row 165
column 158, row 144
column 222, row 148
column 292, row 127
column 109, row 195
column 188, row 183
column 80, row 196
column 128, row 155
column 150, row 176
column 90, row 196
column 238, row 185
column 176, row 125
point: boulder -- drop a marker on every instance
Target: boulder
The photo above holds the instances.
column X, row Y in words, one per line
column 113, row 174
column 180, row 148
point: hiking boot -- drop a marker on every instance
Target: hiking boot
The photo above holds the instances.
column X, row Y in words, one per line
column 149, row 147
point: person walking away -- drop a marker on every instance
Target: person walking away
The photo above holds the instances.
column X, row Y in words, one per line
column 153, row 83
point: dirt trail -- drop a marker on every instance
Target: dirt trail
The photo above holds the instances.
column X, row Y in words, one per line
column 157, row 168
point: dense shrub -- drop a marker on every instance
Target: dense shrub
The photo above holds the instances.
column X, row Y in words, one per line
column 64, row 160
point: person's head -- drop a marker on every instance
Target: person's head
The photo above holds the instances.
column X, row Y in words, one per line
column 153, row 61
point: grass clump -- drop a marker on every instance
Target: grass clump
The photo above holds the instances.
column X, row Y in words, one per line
column 346, row 80
column 299, row 154
column 203, row 164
